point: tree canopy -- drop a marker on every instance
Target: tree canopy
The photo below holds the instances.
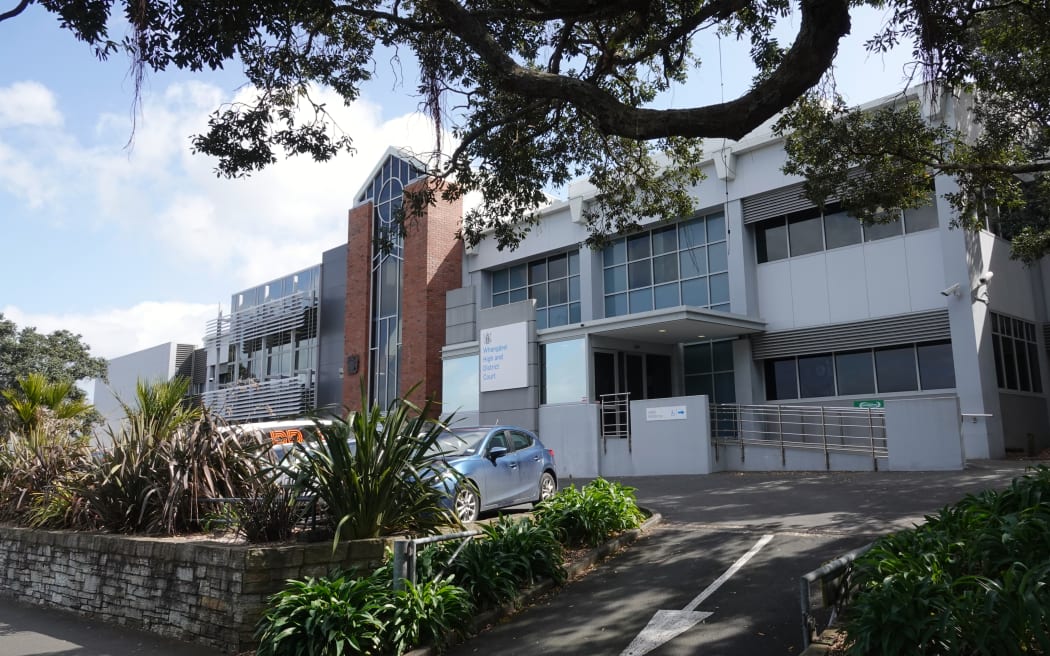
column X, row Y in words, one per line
column 60, row 357
column 536, row 93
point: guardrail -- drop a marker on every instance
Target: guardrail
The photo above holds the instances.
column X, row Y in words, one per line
column 830, row 429
column 406, row 551
column 834, row 585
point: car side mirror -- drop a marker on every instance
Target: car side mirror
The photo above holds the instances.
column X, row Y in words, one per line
column 497, row 452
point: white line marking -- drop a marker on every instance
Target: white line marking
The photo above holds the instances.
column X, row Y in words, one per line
column 733, row 569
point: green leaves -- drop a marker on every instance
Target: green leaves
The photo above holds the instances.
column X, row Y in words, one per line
column 591, row 515
column 374, row 472
column 351, row 615
column 971, row 580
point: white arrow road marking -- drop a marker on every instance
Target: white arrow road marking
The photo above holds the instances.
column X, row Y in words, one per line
column 667, row 624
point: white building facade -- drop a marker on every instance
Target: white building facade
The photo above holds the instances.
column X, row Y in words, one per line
column 758, row 299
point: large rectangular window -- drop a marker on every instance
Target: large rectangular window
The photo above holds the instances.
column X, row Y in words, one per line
column 682, row 264
column 459, row 384
column 564, row 372
column 905, row 368
column 810, row 231
column 709, row 370
column 553, row 282
column 1016, row 352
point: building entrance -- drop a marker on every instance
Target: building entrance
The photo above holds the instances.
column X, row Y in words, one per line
column 637, row 375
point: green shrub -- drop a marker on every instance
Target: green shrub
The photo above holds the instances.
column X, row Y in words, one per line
column 268, row 514
column 40, row 473
column 972, row 580
column 352, row 615
column 511, row 554
column 383, row 484
column 591, row 515
column 153, row 483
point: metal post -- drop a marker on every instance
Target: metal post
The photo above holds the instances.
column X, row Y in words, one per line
column 780, row 433
column 824, row 439
column 400, row 563
column 410, row 561
column 871, row 441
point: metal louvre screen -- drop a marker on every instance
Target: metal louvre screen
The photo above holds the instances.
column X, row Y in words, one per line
column 775, row 203
column 919, row 327
column 785, row 200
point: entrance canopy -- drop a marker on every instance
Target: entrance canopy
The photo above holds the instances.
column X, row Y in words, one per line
column 675, row 325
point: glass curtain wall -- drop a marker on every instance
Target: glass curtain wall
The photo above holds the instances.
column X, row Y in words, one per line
column 387, row 267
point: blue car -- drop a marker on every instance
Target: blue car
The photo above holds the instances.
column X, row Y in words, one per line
column 498, row 466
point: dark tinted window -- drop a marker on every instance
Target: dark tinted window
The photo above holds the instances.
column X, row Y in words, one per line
column 520, row 440
column 936, row 366
column 856, row 373
column 841, row 229
column 781, row 382
column 772, row 241
column 816, row 376
column 895, row 369
column 805, row 236
column 882, row 230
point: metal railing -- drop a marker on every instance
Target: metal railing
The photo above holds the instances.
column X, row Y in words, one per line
column 799, row 427
column 616, row 417
column 831, row 593
column 406, row 552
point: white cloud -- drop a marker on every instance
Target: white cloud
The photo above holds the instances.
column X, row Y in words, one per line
column 28, row 104
column 114, row 332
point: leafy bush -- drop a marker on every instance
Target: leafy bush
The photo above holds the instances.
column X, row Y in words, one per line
column 590, row 515
column 972, row 580
column 151, row 482
column 268, row 514
column 360, row 616
column 39, row 473
column 382, row 483
column 511, row 554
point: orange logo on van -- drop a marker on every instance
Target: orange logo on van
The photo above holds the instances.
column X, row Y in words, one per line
column 286, row 436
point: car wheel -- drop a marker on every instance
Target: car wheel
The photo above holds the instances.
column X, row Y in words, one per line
column 548, row 487
column 467, row 504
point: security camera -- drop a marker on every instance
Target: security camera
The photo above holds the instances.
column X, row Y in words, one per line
column 950, row 291
column 986, row 277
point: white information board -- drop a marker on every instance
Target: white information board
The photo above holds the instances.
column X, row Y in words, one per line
column 665, row 413
column 504, row 358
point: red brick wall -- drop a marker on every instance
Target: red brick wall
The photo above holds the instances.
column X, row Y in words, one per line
column 433, row 266
column 358, row 295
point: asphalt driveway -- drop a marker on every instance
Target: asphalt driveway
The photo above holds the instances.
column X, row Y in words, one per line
column 710, row 522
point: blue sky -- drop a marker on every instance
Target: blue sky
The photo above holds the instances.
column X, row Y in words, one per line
column 136, row 247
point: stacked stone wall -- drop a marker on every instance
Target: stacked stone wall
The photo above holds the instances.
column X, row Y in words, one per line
column 207, row 592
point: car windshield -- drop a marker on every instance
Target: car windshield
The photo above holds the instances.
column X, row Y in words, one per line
column 459, row 442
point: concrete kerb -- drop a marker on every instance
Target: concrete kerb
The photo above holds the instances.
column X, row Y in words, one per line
column 573, row 570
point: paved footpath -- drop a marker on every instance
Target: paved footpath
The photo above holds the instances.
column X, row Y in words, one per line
column 710, row 522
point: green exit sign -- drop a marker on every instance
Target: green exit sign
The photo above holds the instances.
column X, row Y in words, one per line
column 870, row 403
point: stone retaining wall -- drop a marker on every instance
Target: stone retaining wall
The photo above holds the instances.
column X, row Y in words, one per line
column 203, row 591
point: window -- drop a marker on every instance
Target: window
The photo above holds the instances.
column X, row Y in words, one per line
column 520, row 441
column 816, row 376
column 459, row 384
column 809, row 231
column 553, row 282
column 1016, row 354
column 856, row 372
column 904, row 368
column 683, row 264
column 709, row 370
column 564, row 367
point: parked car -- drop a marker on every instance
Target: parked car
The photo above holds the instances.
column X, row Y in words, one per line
column 498, row 466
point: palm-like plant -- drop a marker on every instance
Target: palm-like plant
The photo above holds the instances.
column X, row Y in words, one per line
column 38, row 399
column 160, row 407
column 375, row 472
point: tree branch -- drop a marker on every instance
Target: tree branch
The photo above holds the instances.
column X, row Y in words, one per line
column 16, row 11
column 824, row 22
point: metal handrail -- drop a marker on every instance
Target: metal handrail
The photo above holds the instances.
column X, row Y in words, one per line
column 829, row 429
